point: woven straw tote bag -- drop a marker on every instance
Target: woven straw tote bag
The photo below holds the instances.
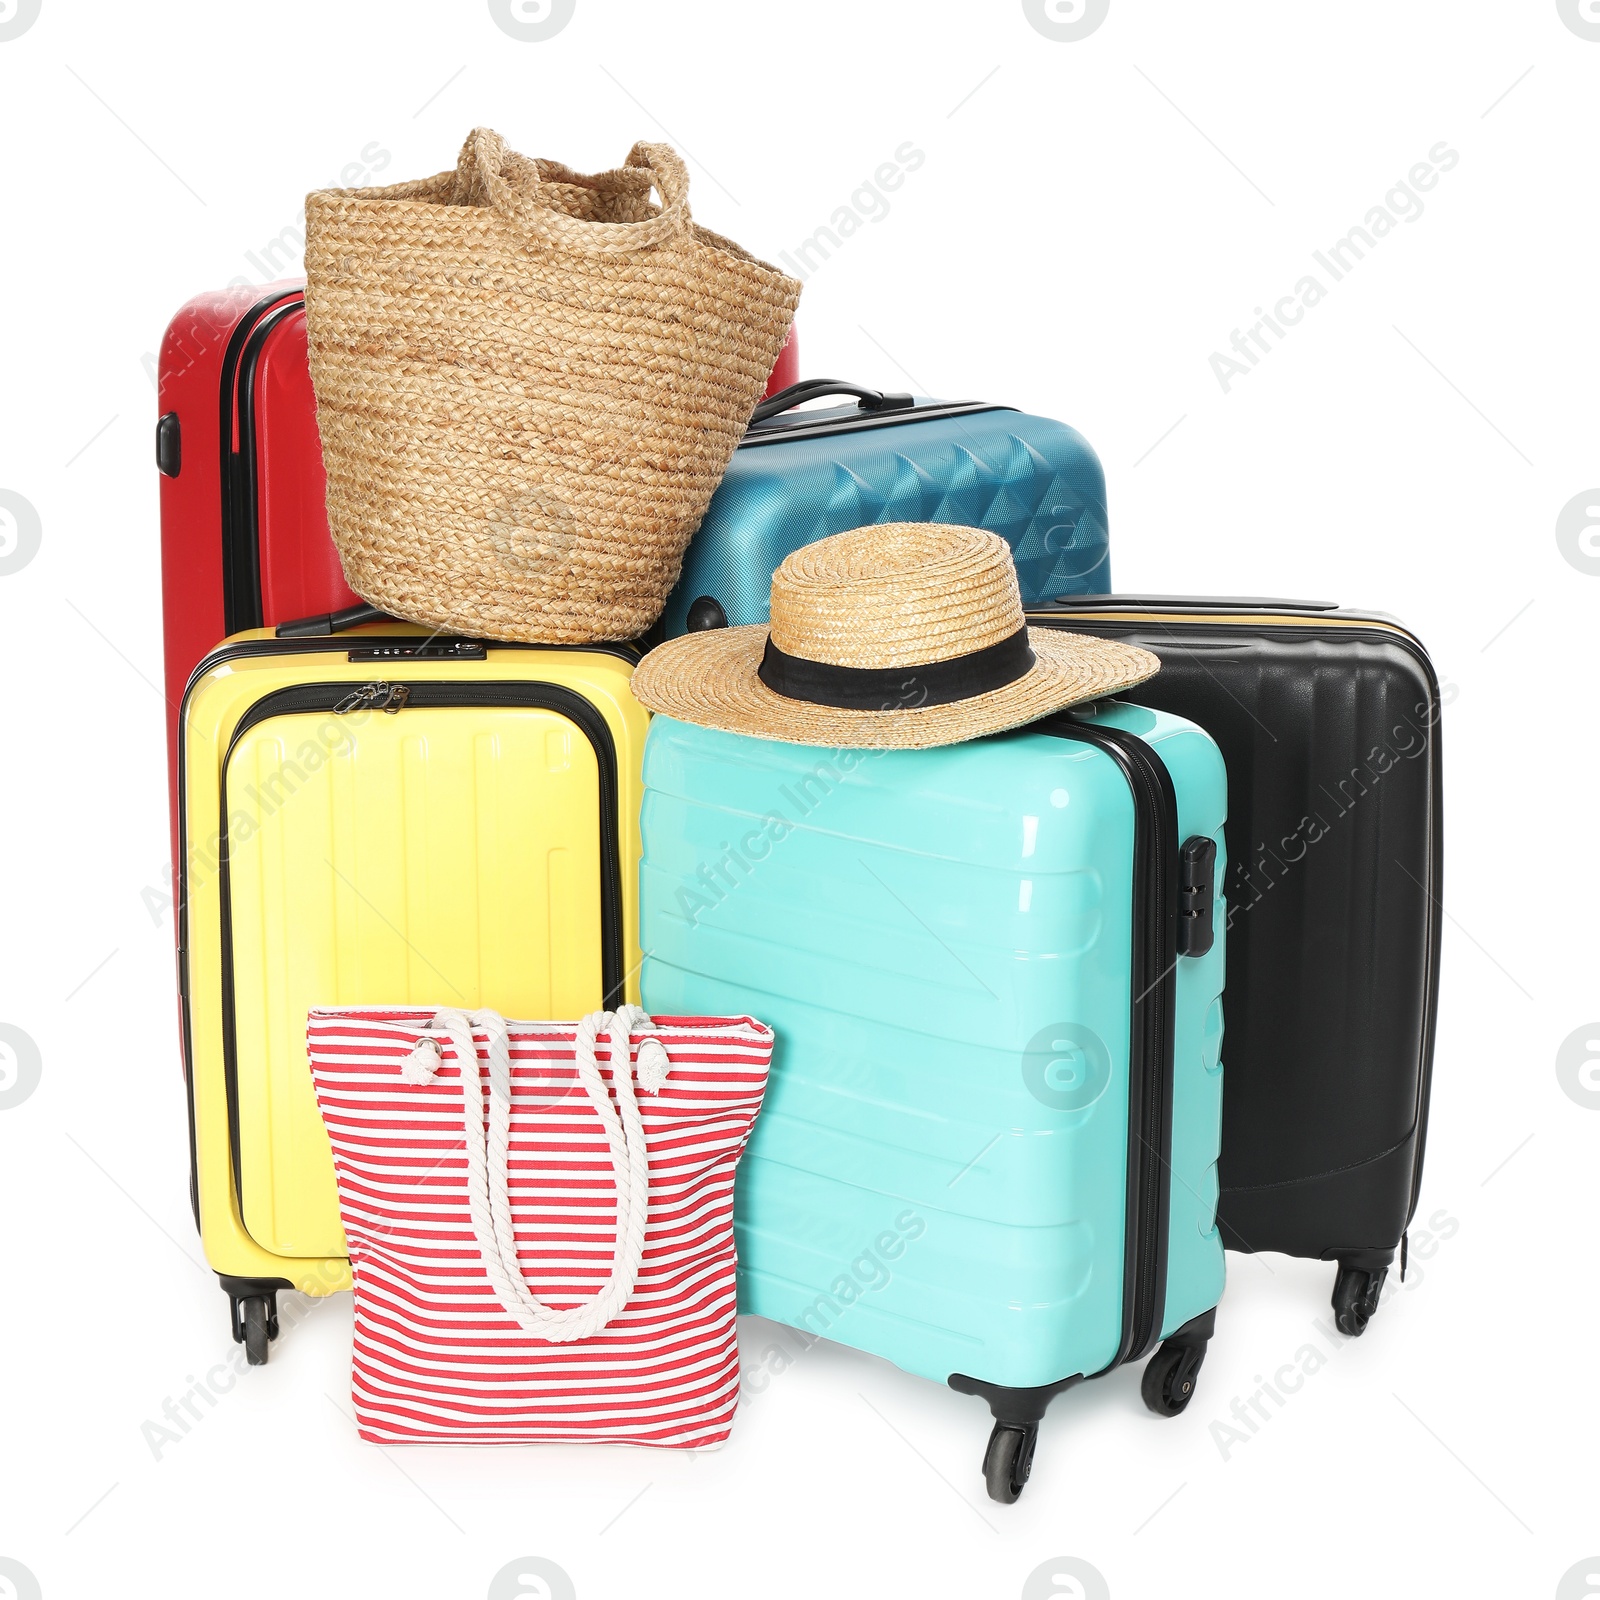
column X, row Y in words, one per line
column 529, row 382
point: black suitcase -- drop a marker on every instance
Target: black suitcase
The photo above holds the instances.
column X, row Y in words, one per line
column 1329, row 722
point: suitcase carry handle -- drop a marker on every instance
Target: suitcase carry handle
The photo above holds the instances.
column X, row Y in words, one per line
column 488, row 1154
column 815, row 388
column 330, row 622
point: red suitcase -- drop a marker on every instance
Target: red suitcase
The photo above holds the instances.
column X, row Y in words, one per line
column 244, row 528
column 786, row 369
column 244, row 535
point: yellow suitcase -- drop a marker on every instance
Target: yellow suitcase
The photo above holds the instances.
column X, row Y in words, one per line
column 383, row 816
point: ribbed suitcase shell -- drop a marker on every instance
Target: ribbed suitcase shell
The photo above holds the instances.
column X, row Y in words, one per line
column 807, row 474
column 476, row 847
column 1329, row 723
column 941, row 940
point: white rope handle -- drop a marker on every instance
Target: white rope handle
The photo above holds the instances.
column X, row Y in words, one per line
column 488, row 1192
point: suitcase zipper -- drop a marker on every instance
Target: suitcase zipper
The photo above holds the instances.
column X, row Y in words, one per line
column 1153, row 982
column 241, row 574
column 341, row 699
column 390, row 697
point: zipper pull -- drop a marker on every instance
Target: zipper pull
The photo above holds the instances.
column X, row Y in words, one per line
column 387, row 697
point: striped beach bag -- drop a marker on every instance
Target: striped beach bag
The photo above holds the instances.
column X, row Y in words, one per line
column 540, row 1220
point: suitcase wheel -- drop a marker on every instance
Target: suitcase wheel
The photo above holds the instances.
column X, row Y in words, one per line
column 1009, row 1459
column 253, row 1313
column 1170, row 1375
column 259, row 1326
column 1355, row 1298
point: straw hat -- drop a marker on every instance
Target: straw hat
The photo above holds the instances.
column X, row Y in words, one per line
column 900, row 636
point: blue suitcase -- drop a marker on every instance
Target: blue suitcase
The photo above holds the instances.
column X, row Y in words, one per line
column 801, row 475
column 995, row 972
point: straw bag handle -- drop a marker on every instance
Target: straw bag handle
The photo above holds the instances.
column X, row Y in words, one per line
column 485, row 162
column 488, row 1196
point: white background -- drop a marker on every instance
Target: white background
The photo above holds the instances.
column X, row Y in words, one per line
column 1091, row 222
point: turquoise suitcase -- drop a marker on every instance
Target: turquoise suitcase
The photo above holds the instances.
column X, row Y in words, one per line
column 995, row 970
column 801, row 475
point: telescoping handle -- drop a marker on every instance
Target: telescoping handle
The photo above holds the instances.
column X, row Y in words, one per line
column 816, row 388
